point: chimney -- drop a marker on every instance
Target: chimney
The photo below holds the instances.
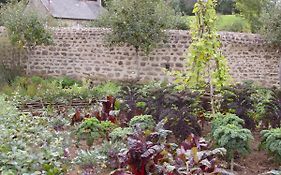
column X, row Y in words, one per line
column 99, row 2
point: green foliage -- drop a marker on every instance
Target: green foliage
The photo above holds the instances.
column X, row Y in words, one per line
column 233, row 138
column 92, row 129
column 137, row 23
column 181, row 23
column 251, row 10
column 261, row 98
column 89, row 158
column 270, row 19
column 237, row 98
column 57, row 89
column 107, row 89
column 120, row 134
column 271, row 142
column 146, row 122
column 204, row 51
column 223, row 120
column 233, row 23
column 27, row 144
column 226, row 7
column 99, row 157
column 185, row 6
column 8, row 75
column 24, row 28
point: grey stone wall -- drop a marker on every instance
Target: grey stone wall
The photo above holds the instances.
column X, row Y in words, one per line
column 83, row 52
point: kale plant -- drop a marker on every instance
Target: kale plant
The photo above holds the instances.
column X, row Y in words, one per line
column 271, row 141
column 237, row 99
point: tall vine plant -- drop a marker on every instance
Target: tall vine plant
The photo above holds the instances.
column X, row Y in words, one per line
column 206, row 65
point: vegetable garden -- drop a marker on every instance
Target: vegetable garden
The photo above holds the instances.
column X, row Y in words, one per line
column 63, row 126
column 200, row 124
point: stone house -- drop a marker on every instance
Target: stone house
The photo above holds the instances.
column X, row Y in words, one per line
column 67, row 12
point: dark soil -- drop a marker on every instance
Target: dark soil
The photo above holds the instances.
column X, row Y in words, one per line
column 257, row 162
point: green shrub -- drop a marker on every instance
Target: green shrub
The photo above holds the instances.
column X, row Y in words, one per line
column 227, row 131
column 251, row 10
column 223, row 120
column 100, row 156
column 145, row 122
column 271, row 142
column 27, row 144
column 234, row 139
column 119, row 134
column 25, row 28
column 92, row 129
column 238, row 25
column 270, row 18
column 67, row 82
column 49, row 89
column 181, row 23
column 107, row 89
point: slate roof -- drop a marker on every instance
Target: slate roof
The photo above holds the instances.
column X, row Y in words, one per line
column 73, row 9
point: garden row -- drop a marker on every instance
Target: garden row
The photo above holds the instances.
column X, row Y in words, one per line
column 128, row 128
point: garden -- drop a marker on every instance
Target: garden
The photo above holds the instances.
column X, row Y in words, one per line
column 201, row 123
column 63, row 126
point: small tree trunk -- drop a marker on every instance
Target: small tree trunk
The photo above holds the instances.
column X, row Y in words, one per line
column 137, row 64
column 211, row 89
column 232, row 165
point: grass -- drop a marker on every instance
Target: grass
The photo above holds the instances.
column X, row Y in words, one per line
column 231, row 23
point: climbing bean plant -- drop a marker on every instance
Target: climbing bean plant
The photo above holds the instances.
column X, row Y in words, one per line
column 207, row 67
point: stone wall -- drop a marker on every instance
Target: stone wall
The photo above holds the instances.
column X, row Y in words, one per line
column 83, row 52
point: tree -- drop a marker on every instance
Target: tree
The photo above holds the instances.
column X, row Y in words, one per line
column 270, row 20
column 226, row 7
column 207, row 67
column 25, row 28
column 139, row 23
column 3, row 1
column 251, row 10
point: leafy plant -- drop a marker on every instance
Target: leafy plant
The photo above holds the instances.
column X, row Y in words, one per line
column 145, row 122
column 102, row 156
column 107, row 89
column 59, row 123
column 271, row 141
column 28, row 144
column 234, row 139
column 178, row 108
column 272, row 115
column 163, row 102
column 261, row 99
column 90, row 159
column 120, row 134
column 238, row 99
column 91, row 129
column 223, row 120
column 207, row 67
column 154, row 155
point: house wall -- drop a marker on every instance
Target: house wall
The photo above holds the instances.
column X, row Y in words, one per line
column 82, row 52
